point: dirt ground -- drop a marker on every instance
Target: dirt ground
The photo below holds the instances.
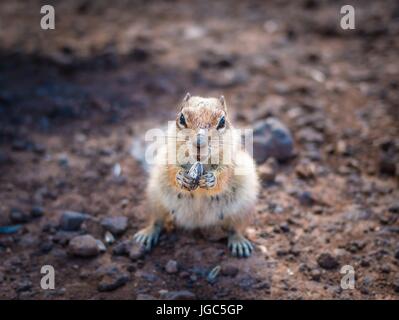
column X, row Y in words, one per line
column 73, row 99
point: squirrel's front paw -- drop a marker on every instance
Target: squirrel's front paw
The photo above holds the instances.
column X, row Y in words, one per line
column 208, row 181
column 148, row 237
column 240, row 246
column 185, row 181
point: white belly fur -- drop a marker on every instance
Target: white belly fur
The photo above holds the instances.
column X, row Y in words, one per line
column 201, row 210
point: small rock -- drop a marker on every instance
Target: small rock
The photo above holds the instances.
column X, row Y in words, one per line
column 46, row 246
column 63, row 237
column 21, row 145
column 355, row 246
column 306, row 170
column 116, row 225
column 84, row 246
column 272, row 139
column 387, row 164
column 172, row 267
column 136, row 251
column 121, row 248
column 262, row 285
column 397, row 254
column 71, row 221
column 109, row 238
column 37, row 212
column 24, row 285
column 284, row 227
column 18, row 216
column 113, row 281
column 229, row 271
column 101, row 246
column 385, row 268
column 306, row 198
column 213, row 274
column 117, row 170
column 267, row 172
column 63, row 160
column 315, row 274
column 147, row 276
column 394, row 208
column 396, row 286
column 327, row 261
column 309, row 135
column 10, row 229
column 365, row 263
column 179, row 295
column 247, row 282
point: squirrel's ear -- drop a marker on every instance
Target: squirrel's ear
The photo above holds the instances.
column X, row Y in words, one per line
column 187, row 97
column 223, row 103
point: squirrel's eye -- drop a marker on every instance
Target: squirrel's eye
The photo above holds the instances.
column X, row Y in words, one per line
column 221, row 124
column 182, row 120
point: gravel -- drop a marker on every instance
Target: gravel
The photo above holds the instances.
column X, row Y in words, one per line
column 84, row 246
column 72, row 221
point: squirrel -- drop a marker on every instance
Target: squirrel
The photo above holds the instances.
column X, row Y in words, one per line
column 219, row 196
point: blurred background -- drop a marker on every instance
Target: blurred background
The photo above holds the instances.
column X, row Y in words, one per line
column 324, row 105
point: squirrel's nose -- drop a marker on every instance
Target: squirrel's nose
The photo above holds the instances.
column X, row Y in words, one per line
column 201, row 139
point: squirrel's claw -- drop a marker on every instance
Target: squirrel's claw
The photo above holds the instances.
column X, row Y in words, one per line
column 208, row 180
column 148, row 237
column 184, row 181
column 240, row 246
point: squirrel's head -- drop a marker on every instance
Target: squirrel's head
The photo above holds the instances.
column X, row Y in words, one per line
column 203, row 122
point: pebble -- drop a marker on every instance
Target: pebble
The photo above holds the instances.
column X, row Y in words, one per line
column 101, row 246
column 327, row 261
column 306, row 198
column 262, row 285
column 213, row 274
column 306, row 170
column 115, row 225
column 37, row 212
column 18, row 216
column 172, row 267
column 147, row 276
column 272, row 139
column 109, row 238
column 46, row 246
column 394, row 208
column 229, row 271
column 267, row 171
column 72, row 221
column 9, row 229
column 121, row 248
column 63, row 237
column 113, row 281
column 84, row 246
column 387, row 165
column 136, row 251
column 24, row 285
column 315, row 274
column 355, row 246
column 309, row 135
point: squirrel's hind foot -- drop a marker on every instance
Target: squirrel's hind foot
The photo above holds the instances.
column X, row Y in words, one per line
column 148, row 237
column 240, row 246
